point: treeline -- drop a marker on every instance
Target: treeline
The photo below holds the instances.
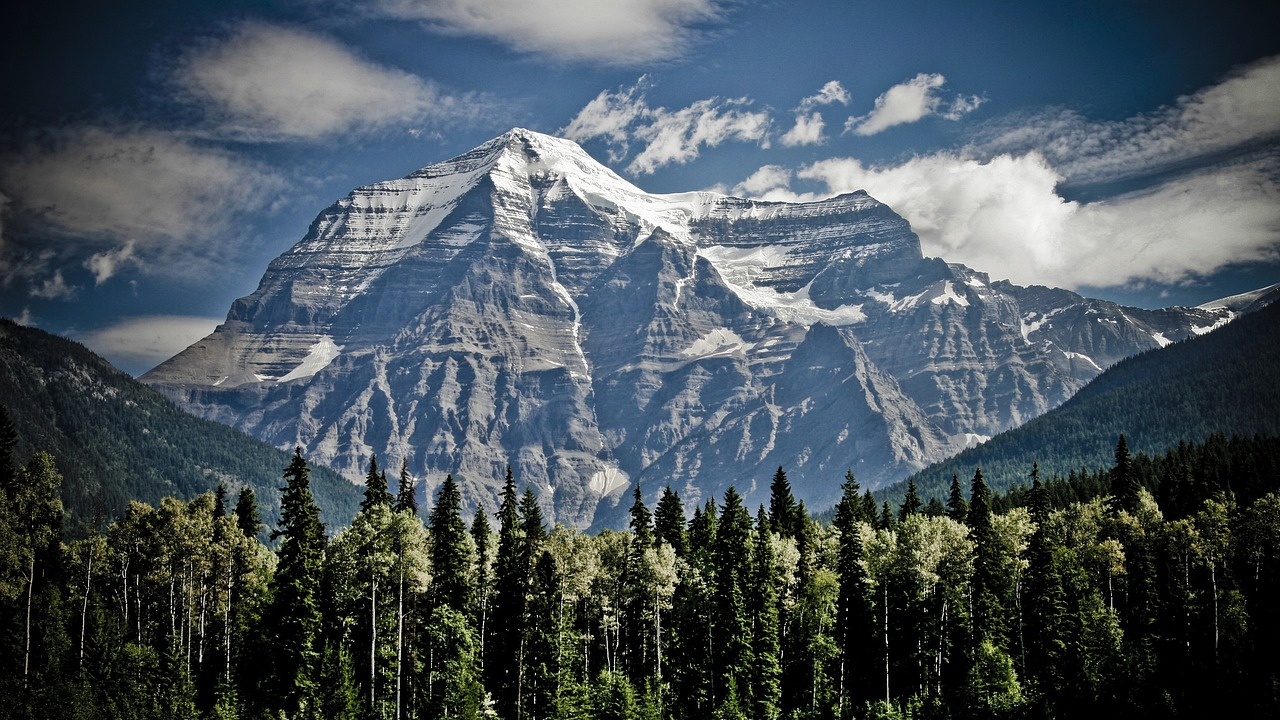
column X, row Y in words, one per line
column 1121, row 599
column 1221, row 383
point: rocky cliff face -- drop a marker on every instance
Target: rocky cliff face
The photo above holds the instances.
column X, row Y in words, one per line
column 523, row 304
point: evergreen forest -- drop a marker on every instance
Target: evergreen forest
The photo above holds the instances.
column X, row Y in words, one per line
column 1149, row 590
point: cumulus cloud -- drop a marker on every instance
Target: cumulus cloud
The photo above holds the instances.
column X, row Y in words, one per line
column 619, row 32
column 138, row 344
column 1242, row 110
column 666, row 136
column 269, row 82
column 149, row 197
column 807, row 130
column 1003, row 215
column 910, row 101
column 809, row 123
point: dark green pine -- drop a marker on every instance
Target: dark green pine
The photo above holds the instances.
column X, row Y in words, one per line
column 669, row 523
column 375, row 487
column 406, row 491
column 450, row 556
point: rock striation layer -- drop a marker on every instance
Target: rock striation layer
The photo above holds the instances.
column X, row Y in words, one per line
column 522, row 304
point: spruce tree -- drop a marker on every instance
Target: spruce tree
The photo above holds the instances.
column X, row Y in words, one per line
column 504, row 645
column 450, row 556
column 910, row 502
column 854, row 631
column 1124, row 481
column 957, row 506
column 248, row 519
column 669, row 522
column 766, row 679
column 292, row 620
column 988, row 618
column 732, row 655
column 375, row 487
column 784, row 516
column 406, row 491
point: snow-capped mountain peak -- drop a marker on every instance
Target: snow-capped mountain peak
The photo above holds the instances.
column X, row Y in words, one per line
column 522, row 304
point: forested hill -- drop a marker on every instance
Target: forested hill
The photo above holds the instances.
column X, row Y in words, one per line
column 117, row 440
column 1226, row 382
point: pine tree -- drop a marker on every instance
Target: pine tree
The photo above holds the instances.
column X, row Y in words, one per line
column 481, row 538
column 987, row 609
column 1124, row 482
column 248, row 519
column 220, row 502
column 784, row 515
column 504, row 646
column 375, row 487
column 732, row 656
column 766, row 679
column 406, row 491
column 669, row 522
column 854, row 614
column 292, row 621
column 957, row 506
column 450, row 556
column 910, row 503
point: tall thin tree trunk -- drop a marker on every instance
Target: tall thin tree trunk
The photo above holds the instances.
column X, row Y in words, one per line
column 226, row 627
column 373, row 645
column 399, row 640
column 886, row 642
column 84, row 608
column 26, row 657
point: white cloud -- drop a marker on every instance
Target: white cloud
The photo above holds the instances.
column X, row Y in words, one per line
column 910, row 101
column 763, row 182
column 53, row 288
column 618, row 32
column 809, row 123
column 611, row 116
column 269, row 82
column 104, row 265
column 829, row 94
column 667, row 136
column 1003, row 215
column 159, row 195
column 1241, row 110
column 139, row 344
column 806, row 131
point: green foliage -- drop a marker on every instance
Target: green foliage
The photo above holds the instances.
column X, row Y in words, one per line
column 1220, row 384
column 124, row 441
column 1035, row 605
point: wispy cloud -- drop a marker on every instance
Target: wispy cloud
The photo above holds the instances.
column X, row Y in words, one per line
column 1236, row 113
column 138, row 344
column 909, row 102
column 120, row 195
column 667, row 136
column 618, row 32
column 264, row 82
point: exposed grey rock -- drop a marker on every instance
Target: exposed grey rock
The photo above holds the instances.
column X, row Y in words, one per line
column 523, row 304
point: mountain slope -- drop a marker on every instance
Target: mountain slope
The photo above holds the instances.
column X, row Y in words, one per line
column 116, row 439
column 1225, row 382
column 523, row 304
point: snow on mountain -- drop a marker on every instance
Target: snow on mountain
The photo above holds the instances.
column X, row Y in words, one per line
column 522, row 304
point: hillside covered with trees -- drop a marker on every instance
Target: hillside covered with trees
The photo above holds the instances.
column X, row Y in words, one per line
column 1148, row 591
column 1222, row 383
column 118, row 440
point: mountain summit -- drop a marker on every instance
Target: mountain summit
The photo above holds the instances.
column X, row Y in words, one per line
column 522, row 304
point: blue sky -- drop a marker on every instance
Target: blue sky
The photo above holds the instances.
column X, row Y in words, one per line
column 154, row 157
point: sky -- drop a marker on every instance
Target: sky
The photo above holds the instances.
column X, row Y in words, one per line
column 156, row 156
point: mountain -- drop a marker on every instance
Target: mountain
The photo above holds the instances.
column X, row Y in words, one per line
column 1224, row 383
column 117, row 440
column 523, row 304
